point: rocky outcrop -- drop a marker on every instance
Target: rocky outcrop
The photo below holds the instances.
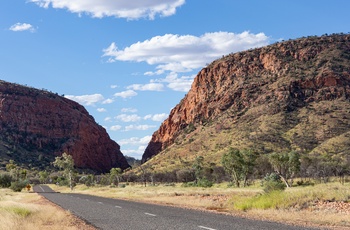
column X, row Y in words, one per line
column 48, row 124
column 282, row 77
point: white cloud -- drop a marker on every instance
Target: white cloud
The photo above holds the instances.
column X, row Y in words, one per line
column 101, row 110
column 156, row 117
column 128, row 118
column 140, row 150
column 176, row 83
column 117, row 8
column 135, row 141
column 108, row 101
column 22, row 27
column 86, row 99
column 147, row 87
column 141, row 144
column 108, row 119
column 175, row 53
column 114, row 86
column 129, row 110
column 115, row 127
column 126, row 94
column 139, row 127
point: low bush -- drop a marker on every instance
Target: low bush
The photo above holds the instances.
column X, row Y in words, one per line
column 205, row 183
column 17, row 186
column 5, row 180
column 273, row 182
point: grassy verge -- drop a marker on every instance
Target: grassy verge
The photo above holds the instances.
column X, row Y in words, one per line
column 322, row 205
column 24, row 211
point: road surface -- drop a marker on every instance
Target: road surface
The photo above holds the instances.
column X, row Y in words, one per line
column 109, row 214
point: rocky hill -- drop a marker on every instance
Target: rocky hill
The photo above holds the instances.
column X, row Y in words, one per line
column 292, row 95
column 36, row 126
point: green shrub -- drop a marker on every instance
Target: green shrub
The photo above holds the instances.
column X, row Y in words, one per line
column 272, row 183
column 62, row 181
column 5, row 180
column 204, row 183
column 88, row 180
column 200, row 183
column 17, row 186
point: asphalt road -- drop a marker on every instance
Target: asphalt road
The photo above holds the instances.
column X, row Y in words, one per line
column 105, row 213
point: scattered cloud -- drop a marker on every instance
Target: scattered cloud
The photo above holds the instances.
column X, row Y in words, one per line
column 101, row 110
column 114, row 86
column 115, row 127
column 129, row 110
column 147, row 87
column 86, row 99
column 156, row 117
column 128, row 118
column 139, row 127
column 182, row 84
column 184, row 53
column 135, row 141
column 22, row 27
column 126, row 94
column 119, row 9
column 108, row 101
column 108, row 119
column 140, row 150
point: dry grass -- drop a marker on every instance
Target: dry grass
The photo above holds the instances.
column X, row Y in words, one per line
column 298, row 204
column 27, row 211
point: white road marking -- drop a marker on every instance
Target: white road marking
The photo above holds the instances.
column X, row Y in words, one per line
column 150, row 214
column 118, row 207
column 87, row 199
column 41, row 188
column 206, row 228
column 100, row 202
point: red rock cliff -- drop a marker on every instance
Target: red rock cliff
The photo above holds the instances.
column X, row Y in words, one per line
column 46, row 123
column 282, row 76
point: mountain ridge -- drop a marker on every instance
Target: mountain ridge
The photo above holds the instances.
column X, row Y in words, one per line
column 43, row 125
column 250, row 88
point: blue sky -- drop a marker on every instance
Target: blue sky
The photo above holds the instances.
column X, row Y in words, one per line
column 129, row 62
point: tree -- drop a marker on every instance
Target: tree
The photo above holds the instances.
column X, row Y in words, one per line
column 248, row 159
column 232, row 162
column 43, row 176
column 286, row 165
column 239, row 164
column 13, row 169
column 115, row 175
column 198, row 168
column 66, row 163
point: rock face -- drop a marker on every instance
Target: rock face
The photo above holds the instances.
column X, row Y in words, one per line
column 48, row 125
column 280, row 78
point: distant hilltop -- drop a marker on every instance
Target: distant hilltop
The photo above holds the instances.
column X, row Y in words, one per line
column 37, row 125
column 289, row 95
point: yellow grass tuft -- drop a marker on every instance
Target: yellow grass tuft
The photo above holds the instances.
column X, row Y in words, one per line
column 26, row 211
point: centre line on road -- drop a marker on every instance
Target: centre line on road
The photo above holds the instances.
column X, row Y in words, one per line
column 206, row 228
column 150, row 214
column 118, row 207
column 41, row 188
column 100, row 202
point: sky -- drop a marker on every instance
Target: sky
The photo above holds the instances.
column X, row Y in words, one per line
column 129, row 62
